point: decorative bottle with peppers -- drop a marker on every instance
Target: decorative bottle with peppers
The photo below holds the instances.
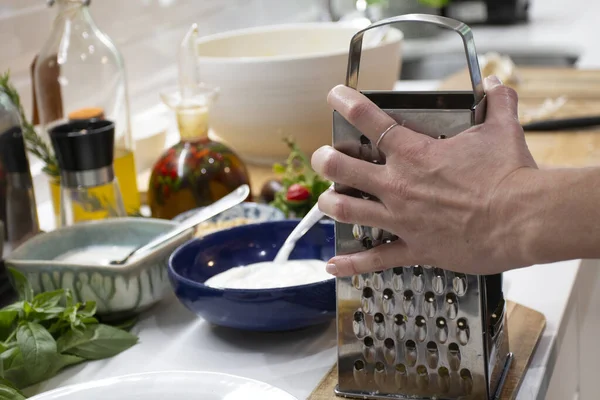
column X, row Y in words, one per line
column 197, row 171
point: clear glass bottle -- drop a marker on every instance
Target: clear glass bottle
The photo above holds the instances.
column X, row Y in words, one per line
column 79, row 75
column 89, row 188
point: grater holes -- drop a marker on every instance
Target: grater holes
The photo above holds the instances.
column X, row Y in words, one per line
column 360, row 372
column 377, row 280
column 388, row 302
column 409, row 303
column 400, row 376
column 358, row 325
column 379, row 326
column 369, row 351
column 388, row 294
column 433, row 355
column 358, row 282
column 389, row 352
column 418, row 280
column 438, row 282
column 451, row 306
column 358, row 232
column 442, row 137
column 466, row 380
column 454, row 356
column 379, row 366
column 420, row 328
column 459, row 284
column 367, row 301
column 399, row 326
column 410, row 353
column 444, row 379
column 441, row 331
column 368, row 341
column 376, row 234
column 429, row 307
column 367, row 242
column 359, row 365
column 463, row 331
column 398, row 278
column 422, row 377
column 364, row 140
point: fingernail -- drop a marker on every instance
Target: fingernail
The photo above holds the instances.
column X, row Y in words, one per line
column 491, row 82
column 331, row 268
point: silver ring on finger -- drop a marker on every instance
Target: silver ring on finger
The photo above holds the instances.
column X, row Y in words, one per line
column 385, row 133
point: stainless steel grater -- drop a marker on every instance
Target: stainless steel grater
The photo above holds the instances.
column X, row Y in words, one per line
column 416, row 332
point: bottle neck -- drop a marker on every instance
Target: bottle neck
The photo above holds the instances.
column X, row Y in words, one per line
column 192, row 122
column 69, row 11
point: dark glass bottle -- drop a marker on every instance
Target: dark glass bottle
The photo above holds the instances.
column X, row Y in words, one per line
column 197, row 171
column 20, row 208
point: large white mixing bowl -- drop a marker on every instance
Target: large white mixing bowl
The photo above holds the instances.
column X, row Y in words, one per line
column 274, row 82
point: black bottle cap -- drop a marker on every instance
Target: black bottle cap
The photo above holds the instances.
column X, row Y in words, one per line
column 83, row 145
column 12, row 150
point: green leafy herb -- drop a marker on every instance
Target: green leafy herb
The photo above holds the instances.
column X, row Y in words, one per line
column 44, row 333
column 298, row 171
column 35, row 144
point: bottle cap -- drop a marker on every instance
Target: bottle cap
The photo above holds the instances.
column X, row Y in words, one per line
column 12, row 150
column 83, row 145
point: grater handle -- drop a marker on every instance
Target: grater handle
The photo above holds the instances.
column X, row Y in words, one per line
column 463, row 30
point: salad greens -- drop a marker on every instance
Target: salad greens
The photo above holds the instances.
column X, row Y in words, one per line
column 301, row 184
column 42, row 334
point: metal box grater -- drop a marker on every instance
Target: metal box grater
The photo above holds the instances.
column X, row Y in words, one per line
column 416, row 332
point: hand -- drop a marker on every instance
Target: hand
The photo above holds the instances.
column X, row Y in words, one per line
column 447, row 200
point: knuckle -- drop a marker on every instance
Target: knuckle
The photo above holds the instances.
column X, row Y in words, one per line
column 330, row 164
column 340, row 209
column 358, row 110
column 377, row 263
column 416, row 151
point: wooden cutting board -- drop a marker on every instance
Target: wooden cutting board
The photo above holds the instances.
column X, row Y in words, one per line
column 575, row 148
column 525, row 327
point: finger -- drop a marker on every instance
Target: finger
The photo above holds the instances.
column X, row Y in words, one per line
column 340, row 168
column 370, row 119
column 502, row 101
column 379, row 258
column 354, row 210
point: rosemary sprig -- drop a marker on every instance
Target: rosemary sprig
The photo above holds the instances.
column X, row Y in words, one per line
column 35, row 144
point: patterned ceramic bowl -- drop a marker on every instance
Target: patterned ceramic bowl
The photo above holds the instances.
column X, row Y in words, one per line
column 242, row 214
column 117, row 290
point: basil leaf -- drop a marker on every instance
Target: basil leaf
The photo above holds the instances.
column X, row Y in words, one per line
column 38, row 349
column 9, row 392
column 96, row 342
column 48, row 300
column 7, row 320
column 18, row 306
column 21, row 284
column 11, row 359
column 66, row 360
column 88, row 309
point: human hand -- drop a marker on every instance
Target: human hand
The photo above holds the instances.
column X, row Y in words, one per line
column 446, row 200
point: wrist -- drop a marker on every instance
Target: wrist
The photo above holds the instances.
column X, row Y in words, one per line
column 550, row 215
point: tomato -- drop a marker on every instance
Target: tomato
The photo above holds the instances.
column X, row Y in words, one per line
column 297, row 193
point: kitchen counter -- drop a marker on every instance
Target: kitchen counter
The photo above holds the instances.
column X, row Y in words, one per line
column 174, row 339
column 171, row 338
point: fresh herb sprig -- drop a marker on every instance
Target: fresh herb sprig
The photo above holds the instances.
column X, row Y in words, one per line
column 42, row 334
column 35, row 144
column 297, row 173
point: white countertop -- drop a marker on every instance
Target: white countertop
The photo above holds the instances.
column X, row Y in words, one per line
column 172, row 338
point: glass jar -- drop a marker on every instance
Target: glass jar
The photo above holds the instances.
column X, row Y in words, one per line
column 79, row 75
column 197, row 171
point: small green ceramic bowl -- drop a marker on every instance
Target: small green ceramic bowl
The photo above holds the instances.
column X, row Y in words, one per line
column 118, row 290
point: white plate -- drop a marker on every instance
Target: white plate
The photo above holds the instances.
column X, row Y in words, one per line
column 176, row 385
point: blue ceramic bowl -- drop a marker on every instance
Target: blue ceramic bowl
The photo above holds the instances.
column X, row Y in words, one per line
column 279, row 309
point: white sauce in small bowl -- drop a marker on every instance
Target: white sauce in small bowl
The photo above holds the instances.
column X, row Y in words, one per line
column 95, row 255
column 269, row 275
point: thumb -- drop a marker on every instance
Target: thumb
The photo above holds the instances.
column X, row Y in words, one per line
column 502, row 101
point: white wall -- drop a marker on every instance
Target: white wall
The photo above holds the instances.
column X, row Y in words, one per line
column 146, row 31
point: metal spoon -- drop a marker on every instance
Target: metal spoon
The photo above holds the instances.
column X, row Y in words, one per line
column 232, row 199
